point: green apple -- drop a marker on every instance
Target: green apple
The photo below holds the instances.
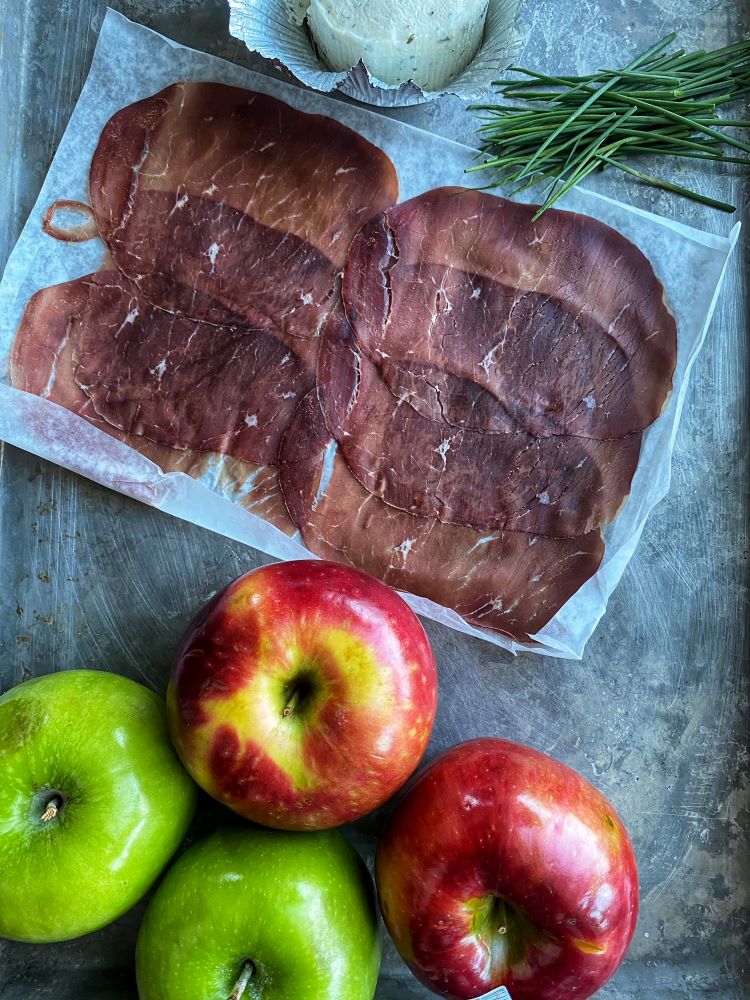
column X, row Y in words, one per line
column 93, row 802
column 262, row 914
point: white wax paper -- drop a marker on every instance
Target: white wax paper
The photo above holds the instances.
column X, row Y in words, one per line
column 132, row 62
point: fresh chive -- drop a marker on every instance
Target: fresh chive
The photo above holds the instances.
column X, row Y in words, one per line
column 669, row 186
column 661, row 103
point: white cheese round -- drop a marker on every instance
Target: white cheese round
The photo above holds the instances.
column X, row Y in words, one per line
column 427, row 41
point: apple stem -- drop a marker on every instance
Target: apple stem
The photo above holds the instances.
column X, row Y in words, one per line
column 52, row 809
column 292, row 703
column 246, row 974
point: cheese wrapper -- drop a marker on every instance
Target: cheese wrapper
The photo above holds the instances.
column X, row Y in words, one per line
column 276, row 29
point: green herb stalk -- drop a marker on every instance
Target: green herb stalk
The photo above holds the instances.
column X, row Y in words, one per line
column 569, row 126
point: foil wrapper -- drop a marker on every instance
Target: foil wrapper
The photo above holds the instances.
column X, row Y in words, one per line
column 275, row 29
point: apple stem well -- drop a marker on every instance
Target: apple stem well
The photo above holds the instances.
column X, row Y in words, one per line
column 246, row 974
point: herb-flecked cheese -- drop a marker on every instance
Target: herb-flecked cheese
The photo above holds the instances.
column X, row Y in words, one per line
column 427, row 41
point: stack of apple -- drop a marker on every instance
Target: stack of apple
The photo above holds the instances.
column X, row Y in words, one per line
column 303, row 697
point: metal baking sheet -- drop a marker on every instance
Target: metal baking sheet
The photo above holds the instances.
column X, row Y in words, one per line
column 657, row 712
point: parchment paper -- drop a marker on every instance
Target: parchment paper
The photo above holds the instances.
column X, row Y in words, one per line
column 132, row 62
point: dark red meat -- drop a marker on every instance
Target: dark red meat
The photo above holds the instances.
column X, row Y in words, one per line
column 42, row 364
column 180, row 382
column 561, row 486
column 509, row 581
column 482, row 318
column 222, row 203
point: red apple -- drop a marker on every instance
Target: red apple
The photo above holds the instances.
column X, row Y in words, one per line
column 503, row 867
column 303, row 695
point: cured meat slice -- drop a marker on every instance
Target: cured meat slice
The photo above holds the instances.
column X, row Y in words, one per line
column 218, row 200
column 560, row 486
column 482, row 318
column 180, row 382
column 508, row 581
column 42, row 364
column 240, row 272
column 255, row 488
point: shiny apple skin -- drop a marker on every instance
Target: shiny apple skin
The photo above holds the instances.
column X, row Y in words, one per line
column 362, row 662
column 494, row 834
column 299, row 906
column 98, row 742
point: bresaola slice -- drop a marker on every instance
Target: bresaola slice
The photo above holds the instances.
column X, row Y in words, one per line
column 508, row 581
column 180, row 382
column 559, row 486
column 209, row 261
column 42, row 364
column 222, row 203
column 481, row 317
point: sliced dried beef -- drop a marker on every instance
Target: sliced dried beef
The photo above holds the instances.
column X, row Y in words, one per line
column 223, row 203
column 471, row 430
column 512, row 582
column 42, row 364
column 483, row 318
column 181, row 382
column 560, row 486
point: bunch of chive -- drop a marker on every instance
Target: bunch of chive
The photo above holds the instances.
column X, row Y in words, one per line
column 659, row 104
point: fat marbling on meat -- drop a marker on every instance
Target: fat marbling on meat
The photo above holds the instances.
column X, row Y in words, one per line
column 481, row 317
column 559, row 486
column 471, row 430
column 42, row 363
column 511, row 582
column 224, row 204
column 181, row 382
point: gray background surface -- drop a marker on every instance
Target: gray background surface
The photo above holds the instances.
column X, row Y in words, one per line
column 656, row 714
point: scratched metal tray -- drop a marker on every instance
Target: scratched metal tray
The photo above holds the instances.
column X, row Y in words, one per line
column 656, row 714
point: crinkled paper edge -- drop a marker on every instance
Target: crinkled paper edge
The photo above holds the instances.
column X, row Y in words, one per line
column 267, row 27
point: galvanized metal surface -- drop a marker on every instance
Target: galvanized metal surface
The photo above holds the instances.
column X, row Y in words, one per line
column 656, row 714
